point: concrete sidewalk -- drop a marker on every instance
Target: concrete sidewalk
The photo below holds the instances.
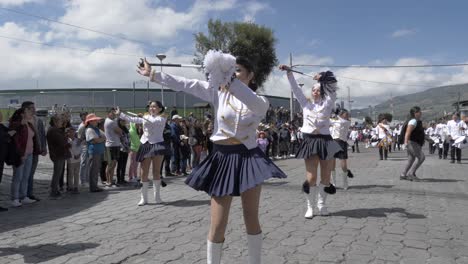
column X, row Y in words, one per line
column 380, row 219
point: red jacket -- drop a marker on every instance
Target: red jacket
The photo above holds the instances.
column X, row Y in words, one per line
column 21, row 137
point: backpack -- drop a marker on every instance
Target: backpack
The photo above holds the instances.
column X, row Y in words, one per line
column 401, row 137
column 13, row 158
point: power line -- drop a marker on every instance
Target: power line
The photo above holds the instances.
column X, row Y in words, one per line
column 70, row 48
column 76, row 26
column 383, row 66
column 388, row 83
column 120, row 36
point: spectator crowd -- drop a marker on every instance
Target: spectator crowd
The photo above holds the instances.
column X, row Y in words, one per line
column 99, row 149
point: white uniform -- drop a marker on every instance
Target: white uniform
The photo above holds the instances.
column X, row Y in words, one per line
column 316, row 115
column 340, row 128
column 239, row 110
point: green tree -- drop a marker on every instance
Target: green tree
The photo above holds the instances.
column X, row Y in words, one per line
column 255, row 42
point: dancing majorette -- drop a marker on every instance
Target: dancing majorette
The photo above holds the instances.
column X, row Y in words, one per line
column 339, row 131
column 152, row 148
column 318, row 147
column 236, row 166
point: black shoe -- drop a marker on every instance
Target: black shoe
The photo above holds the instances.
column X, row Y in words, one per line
column 350, row 174
column 34, row 198
column 452, row 161
column 169, row 174
column 403, row 177
column 330, row 189
column 163, row 183
column 97, row 190
column 3, row 209
column 440, row 157
column 306, row 187
column 413, row 178
column 459, row 161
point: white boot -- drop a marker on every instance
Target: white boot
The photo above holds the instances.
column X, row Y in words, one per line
column 344, row 174
column 321, row 199
column 254, row 243
column 333, row 176
column 311, row 202
column 157, row 191
column 213, row 252
column 144, row 194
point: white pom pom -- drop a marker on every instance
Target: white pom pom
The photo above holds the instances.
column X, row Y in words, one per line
column 220, row 67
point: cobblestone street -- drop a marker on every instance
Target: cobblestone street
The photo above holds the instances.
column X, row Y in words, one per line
column 380, row 219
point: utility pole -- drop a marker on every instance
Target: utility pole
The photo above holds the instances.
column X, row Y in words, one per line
column 291, row 98
column 391, row 104
column 161, row 57
column 134, row 96
column 349, row 101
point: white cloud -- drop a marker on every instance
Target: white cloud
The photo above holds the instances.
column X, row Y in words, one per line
column 252, row 8
column 403, row 33
column 134, row 19
column 18, row 2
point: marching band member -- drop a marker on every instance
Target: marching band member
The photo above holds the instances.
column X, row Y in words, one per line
column 384, row 136
column 236, row 166
column 441, row 131
column 456, row 129
column 152, row 148
column 318, row 147
column 339, row 132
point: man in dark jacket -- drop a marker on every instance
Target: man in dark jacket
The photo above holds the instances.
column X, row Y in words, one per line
column 4, row 138
column 175, row 140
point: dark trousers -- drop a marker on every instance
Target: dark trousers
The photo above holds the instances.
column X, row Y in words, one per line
column 355, row 146
column 274, row 148
column 443, row 152
column 94, row 167
column 175, row 158
column 122, row 166
column 102, row 171
column 383, row 152
column 166, row 164
column 59, row 165
column 454, row 152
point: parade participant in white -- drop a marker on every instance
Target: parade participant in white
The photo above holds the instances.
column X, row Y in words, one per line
column 441, row 131
column 384, row 135
column 339, row 131
column 456, row 129
column 236, row 166
column 152, row 148
column 318, row 147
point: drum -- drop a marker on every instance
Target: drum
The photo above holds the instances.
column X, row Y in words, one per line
column 461, row 142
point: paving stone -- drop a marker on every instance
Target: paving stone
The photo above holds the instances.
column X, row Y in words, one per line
column 422, row 222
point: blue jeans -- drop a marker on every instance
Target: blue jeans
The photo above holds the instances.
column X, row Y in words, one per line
column 21, row 174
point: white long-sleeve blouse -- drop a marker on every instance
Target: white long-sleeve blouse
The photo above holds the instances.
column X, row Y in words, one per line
column 238, row 109
column 153, row 127
column 316, row 115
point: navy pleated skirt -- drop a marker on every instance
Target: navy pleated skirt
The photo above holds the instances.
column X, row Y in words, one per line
column 316, row 144
column 148, row 150
column 231, row 170
column 343, row 154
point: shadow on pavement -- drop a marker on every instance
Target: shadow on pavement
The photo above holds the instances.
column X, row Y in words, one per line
column 360, row 187
column 188, row 203
column 438, row 180
column 376, row 212
column 45, row 252
column 275, row 183
column 45, row 210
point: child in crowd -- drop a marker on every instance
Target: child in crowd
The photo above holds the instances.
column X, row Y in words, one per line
column 73, row 163
column 262, row 141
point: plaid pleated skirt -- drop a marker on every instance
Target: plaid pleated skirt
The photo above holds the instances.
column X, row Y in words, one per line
column 231, row 170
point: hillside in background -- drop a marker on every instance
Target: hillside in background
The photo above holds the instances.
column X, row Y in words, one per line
column 434, row 103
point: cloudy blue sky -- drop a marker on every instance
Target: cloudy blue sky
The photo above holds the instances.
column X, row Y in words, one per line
column 315, row 32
